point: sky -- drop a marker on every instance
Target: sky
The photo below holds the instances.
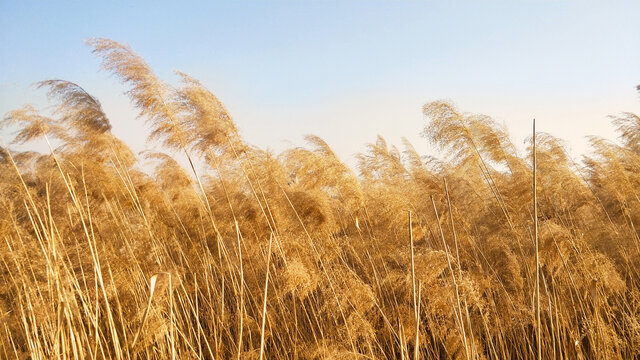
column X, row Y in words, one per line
column 344, row 70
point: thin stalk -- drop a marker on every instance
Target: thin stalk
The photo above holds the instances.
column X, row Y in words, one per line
column 535, row 231
column 413, row 279
column 264, row 302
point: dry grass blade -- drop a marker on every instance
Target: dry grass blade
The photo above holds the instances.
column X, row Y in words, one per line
column 153, row 282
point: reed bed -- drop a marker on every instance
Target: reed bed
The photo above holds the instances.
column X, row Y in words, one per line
column 247, row 254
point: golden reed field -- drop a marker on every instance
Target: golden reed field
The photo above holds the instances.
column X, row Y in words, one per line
column 247, row 254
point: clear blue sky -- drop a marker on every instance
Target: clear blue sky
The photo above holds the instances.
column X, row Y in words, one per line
column 344, row 70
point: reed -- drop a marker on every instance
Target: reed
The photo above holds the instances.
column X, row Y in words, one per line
column 248, row 254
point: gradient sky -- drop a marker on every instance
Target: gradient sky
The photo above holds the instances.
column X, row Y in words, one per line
column 344, row 70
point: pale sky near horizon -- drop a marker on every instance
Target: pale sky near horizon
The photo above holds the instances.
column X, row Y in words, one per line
column 344, row 70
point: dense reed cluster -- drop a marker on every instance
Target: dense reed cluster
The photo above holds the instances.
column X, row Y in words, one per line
column 249, row 254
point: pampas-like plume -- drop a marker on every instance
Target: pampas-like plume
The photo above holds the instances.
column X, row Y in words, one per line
column 77, row 108
column 628, row 126
column 32, row 125
column 450, row 130
column 320, row 169
column 208, row 123
column 149, row 94
column 382, row 162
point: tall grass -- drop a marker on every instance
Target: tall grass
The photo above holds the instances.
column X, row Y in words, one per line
column 293, row 255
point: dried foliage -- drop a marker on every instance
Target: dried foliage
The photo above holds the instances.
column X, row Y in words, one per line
column 259, row 255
